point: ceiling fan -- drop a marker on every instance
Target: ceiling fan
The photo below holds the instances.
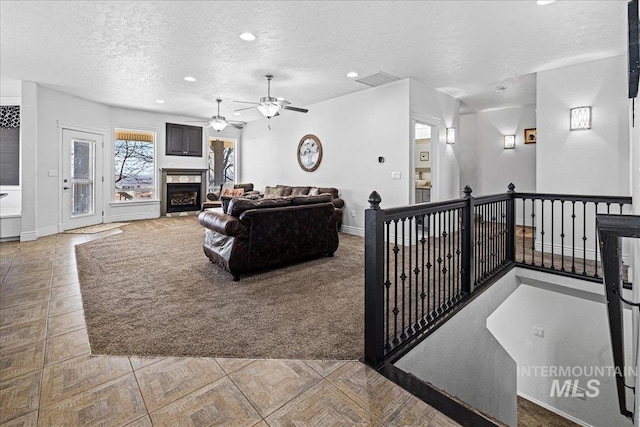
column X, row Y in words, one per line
column 218, row 122
column 270, row 106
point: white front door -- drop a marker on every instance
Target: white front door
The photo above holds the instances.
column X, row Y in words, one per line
column 81, row 179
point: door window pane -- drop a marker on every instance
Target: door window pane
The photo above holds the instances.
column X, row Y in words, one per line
column 82, row 182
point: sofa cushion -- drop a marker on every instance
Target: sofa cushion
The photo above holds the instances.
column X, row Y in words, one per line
column 329, row 190
column 271, row 192
column 309, row 200
column 239, row 205
column 286, row 190
column 246, row 187
column 299, row 191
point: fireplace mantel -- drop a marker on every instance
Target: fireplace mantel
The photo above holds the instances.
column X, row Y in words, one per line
column 200, row 173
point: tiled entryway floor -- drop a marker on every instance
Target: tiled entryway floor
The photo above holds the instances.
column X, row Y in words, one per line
column 49, row 378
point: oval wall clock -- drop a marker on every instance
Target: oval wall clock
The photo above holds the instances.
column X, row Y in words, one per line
column 309, row 153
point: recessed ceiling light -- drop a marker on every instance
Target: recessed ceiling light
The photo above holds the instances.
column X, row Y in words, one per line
column 545, row 2
column 237, row 113
column 190, row 79
column 352, row 74
column 160, row 101
column 248, row 37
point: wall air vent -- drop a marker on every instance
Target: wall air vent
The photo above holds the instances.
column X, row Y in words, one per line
column 378, row 79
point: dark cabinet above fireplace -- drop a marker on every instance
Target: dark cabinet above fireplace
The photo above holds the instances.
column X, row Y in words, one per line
column 183, row 140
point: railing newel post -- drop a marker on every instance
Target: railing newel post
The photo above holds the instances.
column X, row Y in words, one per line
column 467, row 239
column 374, row 282
column 511, row 223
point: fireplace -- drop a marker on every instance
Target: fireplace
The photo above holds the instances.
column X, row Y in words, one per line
column 183, row 197
column 183, row 191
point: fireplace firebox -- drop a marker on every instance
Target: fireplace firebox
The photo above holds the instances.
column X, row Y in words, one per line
column 183, row 197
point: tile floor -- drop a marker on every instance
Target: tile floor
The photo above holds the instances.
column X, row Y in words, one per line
column 49, row 378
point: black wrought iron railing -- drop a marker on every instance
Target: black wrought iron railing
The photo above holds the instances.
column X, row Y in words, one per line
column 559, row 232
column 611, row 230
column 422, row 262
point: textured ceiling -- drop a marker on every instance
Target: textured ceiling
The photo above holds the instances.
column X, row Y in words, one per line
column 131, row 53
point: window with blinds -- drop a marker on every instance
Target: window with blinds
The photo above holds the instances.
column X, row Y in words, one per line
column 134, row 166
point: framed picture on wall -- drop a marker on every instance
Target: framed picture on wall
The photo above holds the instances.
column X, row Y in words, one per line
column 424, row 156
column 530, row 136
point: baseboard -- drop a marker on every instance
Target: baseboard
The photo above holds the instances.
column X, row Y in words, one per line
column 47, row 231
column 131, row 217
column 554, row 410
column 580, row 253
column 352, row 230
column 27, row 236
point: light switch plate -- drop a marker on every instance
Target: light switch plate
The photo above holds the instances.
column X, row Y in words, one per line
column 53, row 172
column 396, row 175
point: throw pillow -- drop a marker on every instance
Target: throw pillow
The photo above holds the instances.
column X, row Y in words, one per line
column 272, row 192
column 233, row 192
column 314, row 191
column 299, row 191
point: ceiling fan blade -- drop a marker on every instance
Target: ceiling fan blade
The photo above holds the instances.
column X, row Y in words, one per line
column 247, row 108
column 198, row 121
column 247, row 102
column 237, row 126
column 283, row 102
column 299, row 110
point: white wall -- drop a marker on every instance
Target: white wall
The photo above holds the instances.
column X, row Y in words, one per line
column 594, row 161
column 354, row 130
column 53, row 108
column 467, row 146
column 482, row 136
column 464, row 359
column 573, row 315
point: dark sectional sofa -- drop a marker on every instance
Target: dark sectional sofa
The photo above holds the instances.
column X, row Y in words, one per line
column 252, row 235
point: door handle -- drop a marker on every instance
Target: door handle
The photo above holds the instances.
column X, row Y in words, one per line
column 65, row 188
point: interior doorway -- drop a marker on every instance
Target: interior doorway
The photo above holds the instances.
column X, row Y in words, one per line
column 422, row 163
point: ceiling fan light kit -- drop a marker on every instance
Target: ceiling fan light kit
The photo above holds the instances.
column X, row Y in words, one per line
column 270, row 106
column 218, row 122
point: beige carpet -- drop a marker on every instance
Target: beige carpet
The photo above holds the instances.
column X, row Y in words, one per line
column 154, row 292
column 98, row 228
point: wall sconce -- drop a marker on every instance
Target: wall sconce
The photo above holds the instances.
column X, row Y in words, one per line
column 580, row 118
column 451, row 136
column 509, row 142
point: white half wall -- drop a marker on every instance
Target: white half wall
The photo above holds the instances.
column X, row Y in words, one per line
column 594, row 161
column 573, row 317
column 464, row 359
